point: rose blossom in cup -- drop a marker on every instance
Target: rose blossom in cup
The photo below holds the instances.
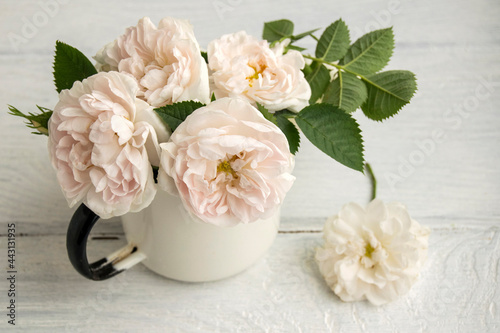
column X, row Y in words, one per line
column 102, row 142
column 165, row 60
column 245, row 67
column 228, row 163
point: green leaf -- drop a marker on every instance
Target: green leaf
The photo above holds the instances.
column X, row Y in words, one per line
column 213, row 97
column 38, row 121
column 304, row 34
column 268, row 115
column 70, row 65
column 285, row 113
column 318, row 79
column 347, row 92
column 334, row 132
column 388, row 92
column 291, row 132
column 276, row 30
column 370, row 53
column 173, row 115
column 334, row 42
column 294, row 47
column 205, row 56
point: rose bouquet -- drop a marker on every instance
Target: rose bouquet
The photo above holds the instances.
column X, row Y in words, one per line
column 218, row 128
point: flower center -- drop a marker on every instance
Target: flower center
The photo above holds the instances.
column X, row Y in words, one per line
column 225, row 166
column 369, row 250
column 258, row 70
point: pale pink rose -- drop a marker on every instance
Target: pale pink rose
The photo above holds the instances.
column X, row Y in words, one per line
column 242, row 66
column 374, row 253
column 166, row 61
column 228, row 163
column 99, row 138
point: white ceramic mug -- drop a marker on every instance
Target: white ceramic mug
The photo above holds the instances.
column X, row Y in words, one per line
column 173, row 243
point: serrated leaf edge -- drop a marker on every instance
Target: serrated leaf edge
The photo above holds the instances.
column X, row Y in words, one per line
column 276, row 32
column 162, row 111
column 358, row 131
column 68, row 55
column 298, row 133
column 333, row 38
column 372, row 45
column 398, row 109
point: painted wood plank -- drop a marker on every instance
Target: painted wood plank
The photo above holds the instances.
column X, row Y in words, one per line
column 283, row 292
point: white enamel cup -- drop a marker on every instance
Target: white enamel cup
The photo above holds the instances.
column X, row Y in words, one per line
column 173, row 243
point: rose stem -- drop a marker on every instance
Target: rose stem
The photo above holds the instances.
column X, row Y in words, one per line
column 373, row 180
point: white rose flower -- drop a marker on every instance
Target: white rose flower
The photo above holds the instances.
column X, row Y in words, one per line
column 166, row 61
column 245, row 67
column 102, row 141
column 373, row 254
column 228, row 163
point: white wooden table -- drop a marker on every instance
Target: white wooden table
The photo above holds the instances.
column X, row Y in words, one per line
column 449, row 183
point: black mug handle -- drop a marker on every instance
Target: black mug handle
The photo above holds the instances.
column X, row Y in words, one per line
column 81, row 224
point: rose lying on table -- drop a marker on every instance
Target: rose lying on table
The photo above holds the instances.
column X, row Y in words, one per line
column 374, row 253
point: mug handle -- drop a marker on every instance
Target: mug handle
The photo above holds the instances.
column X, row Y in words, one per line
column 81, row 224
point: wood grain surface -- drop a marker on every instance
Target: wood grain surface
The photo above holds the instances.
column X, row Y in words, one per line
column 439, row 156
